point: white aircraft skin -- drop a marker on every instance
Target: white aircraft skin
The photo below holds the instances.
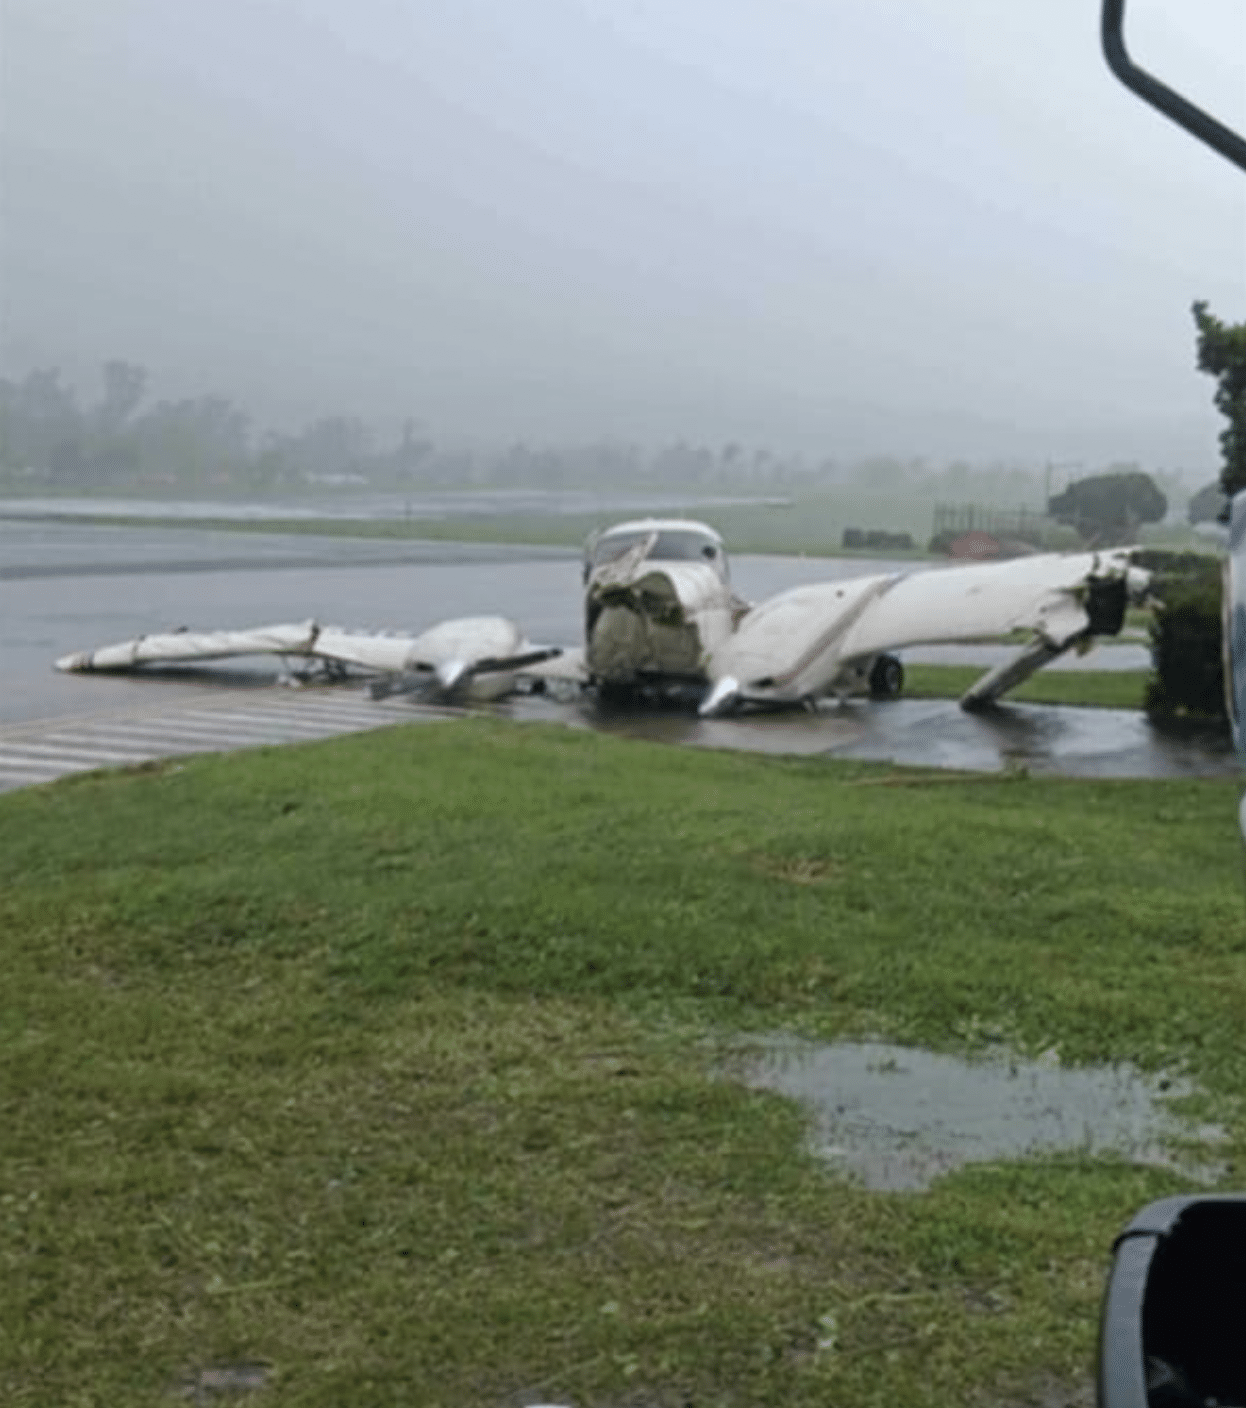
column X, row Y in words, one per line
column 477, row 657
column 653, row 617
column 660, row 613
column 824, row 639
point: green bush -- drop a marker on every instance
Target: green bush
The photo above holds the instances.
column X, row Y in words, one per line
column 1186, row 647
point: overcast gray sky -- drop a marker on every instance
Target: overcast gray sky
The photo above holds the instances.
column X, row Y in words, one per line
column 843, row 226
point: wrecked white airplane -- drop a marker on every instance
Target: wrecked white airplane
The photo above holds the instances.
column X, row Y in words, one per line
column 660, row 614
column 659, row 610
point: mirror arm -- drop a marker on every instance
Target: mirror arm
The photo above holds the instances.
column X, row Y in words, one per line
column 1195, row 121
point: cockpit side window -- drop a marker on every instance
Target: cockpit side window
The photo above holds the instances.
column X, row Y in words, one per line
column 612, row 547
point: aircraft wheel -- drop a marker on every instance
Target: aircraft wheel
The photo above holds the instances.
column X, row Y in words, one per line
column 614, row 695
column 886, row 677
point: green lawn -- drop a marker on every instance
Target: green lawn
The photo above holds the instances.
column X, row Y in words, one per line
column 1102, row 689
column 388, row 1063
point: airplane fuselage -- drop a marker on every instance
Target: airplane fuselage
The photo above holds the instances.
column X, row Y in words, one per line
column 657, row 603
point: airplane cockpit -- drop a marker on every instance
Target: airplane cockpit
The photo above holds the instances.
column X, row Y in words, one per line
column 672, row 540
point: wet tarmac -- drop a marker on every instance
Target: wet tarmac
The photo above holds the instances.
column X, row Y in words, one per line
column 1043, row 740
column 70, row 586
column 895, row 1118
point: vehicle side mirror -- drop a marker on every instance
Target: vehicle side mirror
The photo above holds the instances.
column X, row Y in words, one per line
column 1235, row 623
column 1172, row 1333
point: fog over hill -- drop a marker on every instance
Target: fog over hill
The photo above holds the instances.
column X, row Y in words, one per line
column 917, row 227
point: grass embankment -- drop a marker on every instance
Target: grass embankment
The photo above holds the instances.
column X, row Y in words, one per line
column 380, row 1062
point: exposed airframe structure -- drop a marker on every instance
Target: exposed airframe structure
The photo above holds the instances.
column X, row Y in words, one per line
column 660, row 615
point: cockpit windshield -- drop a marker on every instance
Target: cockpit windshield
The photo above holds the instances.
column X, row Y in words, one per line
column 669, row 545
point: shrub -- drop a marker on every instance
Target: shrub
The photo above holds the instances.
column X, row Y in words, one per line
column 1186, row 652
column 1108, row 508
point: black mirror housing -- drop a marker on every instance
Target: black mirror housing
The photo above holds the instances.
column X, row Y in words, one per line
column 1172, row 1333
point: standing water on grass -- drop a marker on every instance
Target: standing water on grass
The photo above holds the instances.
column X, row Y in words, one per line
column 897, row 1117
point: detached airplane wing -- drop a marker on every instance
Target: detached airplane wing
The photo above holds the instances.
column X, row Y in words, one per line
column 476, row 654
column 172, row 647
column 816, row 639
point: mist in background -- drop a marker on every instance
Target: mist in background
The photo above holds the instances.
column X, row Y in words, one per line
column 913, row 228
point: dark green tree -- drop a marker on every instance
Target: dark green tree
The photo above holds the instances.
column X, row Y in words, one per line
column 1108, row 508
column 1222, row 354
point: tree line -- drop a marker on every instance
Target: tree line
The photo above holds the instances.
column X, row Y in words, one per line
column 124, row 439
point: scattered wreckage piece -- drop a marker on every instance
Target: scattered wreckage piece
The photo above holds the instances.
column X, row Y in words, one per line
column 478, row 657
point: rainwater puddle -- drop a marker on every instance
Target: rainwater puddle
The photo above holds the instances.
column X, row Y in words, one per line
column 897, row 1117
column 222, row 1381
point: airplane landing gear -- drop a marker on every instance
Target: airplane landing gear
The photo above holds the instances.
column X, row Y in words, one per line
column 886, row 677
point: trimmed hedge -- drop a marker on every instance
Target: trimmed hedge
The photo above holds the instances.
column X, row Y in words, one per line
column 1186, row 634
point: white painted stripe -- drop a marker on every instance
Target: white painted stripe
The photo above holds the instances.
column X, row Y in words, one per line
column 97, row 757
column 31, row 755
column 37, row 765
column 279, row 721
column 221, row 733
column 92, row 742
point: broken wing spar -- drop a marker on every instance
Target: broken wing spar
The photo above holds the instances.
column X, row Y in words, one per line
column 475, row 655
column 815, row 640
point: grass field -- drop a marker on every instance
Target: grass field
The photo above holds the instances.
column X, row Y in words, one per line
column 814, row 527
column 809, row 521
column 387, row 1064
column 1100, row 689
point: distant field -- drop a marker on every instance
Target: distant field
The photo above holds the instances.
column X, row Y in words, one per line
column 802, row 522
column 387, row 1067
column 753, row 529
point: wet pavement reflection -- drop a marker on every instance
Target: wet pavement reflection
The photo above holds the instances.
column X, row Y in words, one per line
column 1041, row 739
column 897, row 1117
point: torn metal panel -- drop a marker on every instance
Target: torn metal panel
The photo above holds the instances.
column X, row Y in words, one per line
column 657, row 602
column 660, row 622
